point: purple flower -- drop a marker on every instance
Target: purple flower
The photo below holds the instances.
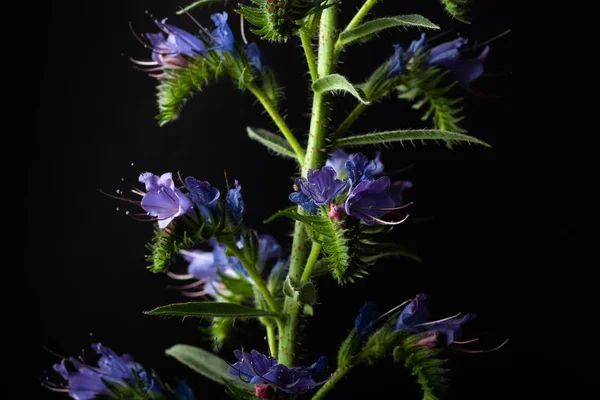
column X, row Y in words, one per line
column 360, row 169
column 448, row 55
column 163, row 200
column 251, row 367
column 168, row 46
column 254, row 56
column 417, row 46
column 317, row 370
column 365, row 319
column 414, row 314
column 290, row 380
column 337, row 160
column 304, row 201
column 205, row 266
column 268, row 249
column 256, row 368
column 395, row 65
column 86, row 382
column 415, row 317
column 369, row 200
column 184, row 392
column 204, row 196
column 222, row 34
column 321, row 185
column 235, row 202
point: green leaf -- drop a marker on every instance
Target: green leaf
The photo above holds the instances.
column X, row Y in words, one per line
column 208, row 365
column 209, row 309
column 406, row 135
column 377, row 25
column 273, row 142
column 308, row 310
column 348, row 350
column 307, row 293
column 238, row 286
column 198, row 3
column 337, row 83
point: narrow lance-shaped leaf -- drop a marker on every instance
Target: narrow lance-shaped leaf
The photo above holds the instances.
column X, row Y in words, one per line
column 377, row 25
column 198, row 3
column 337, row 83
column 406, row 135
column 273, row 142
column 209, row 309
column 206, row 364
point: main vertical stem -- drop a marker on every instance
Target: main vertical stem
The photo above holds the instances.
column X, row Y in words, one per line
column 316, row 140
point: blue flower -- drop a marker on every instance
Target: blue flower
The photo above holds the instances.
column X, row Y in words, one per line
column 417, row 46
column 235, row 202
column 304, row 201
column 365, row 319
column 395, row 65
column 251, row 367
column 415, row 317
column 337, row 160
column 414, row 314
column 205, row 266
column 202, row 193
column 321, row 185
column 318, row 369
column 369, row 200
column 163, row 200
column 182, row 41
column 86, row 382
column 268, row 249
column 254, row 56
column 256, row 368
column 359, row 168
column 222, row 34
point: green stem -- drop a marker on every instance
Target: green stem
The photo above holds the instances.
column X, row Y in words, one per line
column 316, row 138
column 339, row 374
column 258, row 280
column 310, row 55
column 350, row 119
column 278, row 119
column 315, row 252
column 360, row 15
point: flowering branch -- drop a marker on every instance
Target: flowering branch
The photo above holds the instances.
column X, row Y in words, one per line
column 316, row 138
column 349, row 121
column 306, row 39
column 315, row 252
column 360, row 15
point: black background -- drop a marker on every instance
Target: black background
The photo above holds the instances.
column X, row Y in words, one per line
column 496, row 232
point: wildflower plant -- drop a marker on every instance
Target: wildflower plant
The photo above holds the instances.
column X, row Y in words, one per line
column 342, row 203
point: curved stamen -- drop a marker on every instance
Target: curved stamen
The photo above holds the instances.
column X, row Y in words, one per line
column 484, row 351
column 392, row 310
column 139, row 62
column 195, row 294
column 181, row 277
column 389, row 222
column 439, row 320
column 466, row 341
column 188, row 286
column 394, row 208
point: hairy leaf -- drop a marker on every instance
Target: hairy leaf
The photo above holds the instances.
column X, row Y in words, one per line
column 209, row 309
column 273, row 142
column 406, row 135
column 372, row 27
column 337, row 83
column 207, row 364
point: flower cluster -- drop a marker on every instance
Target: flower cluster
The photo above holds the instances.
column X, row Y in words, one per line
column 112, row 373
column 268, row 375
column 449, row 55
column 171, row 44
column 414, row 317
column 349, row 185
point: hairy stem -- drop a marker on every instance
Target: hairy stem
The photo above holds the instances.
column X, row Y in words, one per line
column 316, row 138
column 360, row 15
column 349, row 121
column 339, row 374
column 315, row 252
column 310, row 55
column 278, row 119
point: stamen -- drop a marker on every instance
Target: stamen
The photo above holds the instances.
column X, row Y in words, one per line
column 484, row 351
column 466, row 341
column 392, row 310
column 181, row 277
column 394, row 208
column 242, row 29
column 195, row 294
column 439, row 320
column 389, row 222
column 187, row 286
column 138, row 62
column 506, row 32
